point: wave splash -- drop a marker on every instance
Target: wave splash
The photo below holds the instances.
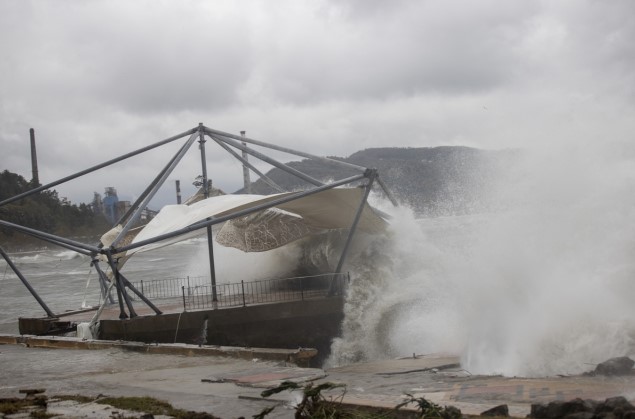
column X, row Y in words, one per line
column 541, row 286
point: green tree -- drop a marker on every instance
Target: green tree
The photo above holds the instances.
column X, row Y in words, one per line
column 44, row 211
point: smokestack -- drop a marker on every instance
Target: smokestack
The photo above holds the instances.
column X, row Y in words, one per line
column 36, row 178
column 246, row 180
column 178, row 192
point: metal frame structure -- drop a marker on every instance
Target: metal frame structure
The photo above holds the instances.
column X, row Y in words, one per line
column 228, row 142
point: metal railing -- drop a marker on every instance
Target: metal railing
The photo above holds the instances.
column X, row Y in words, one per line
column 196, row 297
column 265, row 291
column 159, row 289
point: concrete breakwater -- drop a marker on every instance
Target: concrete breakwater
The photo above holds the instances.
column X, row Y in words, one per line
column 300, row 356
column 287, row 325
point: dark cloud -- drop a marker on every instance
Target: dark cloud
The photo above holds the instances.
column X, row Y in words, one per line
column 99, row 78
column 411, row 48
column 141, row 57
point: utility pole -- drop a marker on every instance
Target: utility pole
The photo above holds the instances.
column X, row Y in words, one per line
column 246, row 180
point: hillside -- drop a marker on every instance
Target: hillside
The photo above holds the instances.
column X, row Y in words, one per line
column 44, row 211
column 433, row 181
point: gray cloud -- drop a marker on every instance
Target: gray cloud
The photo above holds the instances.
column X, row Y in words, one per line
column 415, row 48
column 100, row 78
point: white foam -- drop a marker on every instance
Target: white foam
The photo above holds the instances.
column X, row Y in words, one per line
column 542, row 288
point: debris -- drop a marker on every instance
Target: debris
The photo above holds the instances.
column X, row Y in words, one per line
column 213, row 380
column 30, row 392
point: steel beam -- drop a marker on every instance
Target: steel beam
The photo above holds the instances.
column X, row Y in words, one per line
column 148, row 189
column 51, row 238
column 154, row 187
column 139, row 294
column 60, row 244
column 269, row 160
column 327, row 160
column 97, row 167
column 245, row 162
column 35, row 295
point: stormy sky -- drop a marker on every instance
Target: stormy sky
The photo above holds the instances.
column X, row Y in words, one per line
column 96, row 79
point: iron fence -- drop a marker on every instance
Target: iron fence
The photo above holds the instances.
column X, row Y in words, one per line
column 159, row 289
column 196, row 296
column 265, row 291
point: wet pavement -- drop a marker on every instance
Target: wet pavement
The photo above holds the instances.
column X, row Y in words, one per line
column 436, row 379
column 230, row 388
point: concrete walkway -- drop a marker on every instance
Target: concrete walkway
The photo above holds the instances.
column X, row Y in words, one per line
column 230, row 387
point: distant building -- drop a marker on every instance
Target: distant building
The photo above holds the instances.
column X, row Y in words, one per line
column 147, row 215
column 98, row 205
column 113, row 208
column 111, row 204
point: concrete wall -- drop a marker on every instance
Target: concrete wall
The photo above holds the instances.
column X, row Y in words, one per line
column 309, row 323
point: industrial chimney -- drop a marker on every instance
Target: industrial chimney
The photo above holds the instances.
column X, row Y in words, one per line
column 178, row 192
column 35, row 179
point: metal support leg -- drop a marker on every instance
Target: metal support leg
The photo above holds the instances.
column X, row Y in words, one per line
column 139, row 294
column 103, row 282
column 210, row 239
column 372, row 174
column 212, row 267
column 35, row 295
column 389, row 195
column 121, row 292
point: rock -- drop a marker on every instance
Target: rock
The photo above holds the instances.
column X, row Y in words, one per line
column 500, row 410
column 559, row 409
column 617, row 405
column 615, row 366
column 451, row 412
column 580, row 415
column 538, row 410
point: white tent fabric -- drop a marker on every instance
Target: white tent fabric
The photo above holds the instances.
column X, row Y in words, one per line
column 265, row 230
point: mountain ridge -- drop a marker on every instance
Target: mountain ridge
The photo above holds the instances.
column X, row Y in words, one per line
column 444, row 180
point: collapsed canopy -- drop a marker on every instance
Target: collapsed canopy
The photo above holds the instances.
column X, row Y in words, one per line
column 266, row 229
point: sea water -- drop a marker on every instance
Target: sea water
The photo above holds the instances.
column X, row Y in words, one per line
column 66, row 281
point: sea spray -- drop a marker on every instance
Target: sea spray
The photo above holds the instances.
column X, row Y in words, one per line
column 233, row 265
column 543, row 285
column 395, row 279
column 555, row 268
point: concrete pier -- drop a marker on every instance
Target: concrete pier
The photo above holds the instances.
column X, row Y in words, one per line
column 311, row 323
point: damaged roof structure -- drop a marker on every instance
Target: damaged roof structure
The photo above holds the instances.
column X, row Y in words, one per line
column 251, row 223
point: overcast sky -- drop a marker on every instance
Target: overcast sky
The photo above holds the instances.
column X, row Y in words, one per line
column 100, row 78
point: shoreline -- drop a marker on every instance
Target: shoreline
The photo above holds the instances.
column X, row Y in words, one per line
column 229, row 387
